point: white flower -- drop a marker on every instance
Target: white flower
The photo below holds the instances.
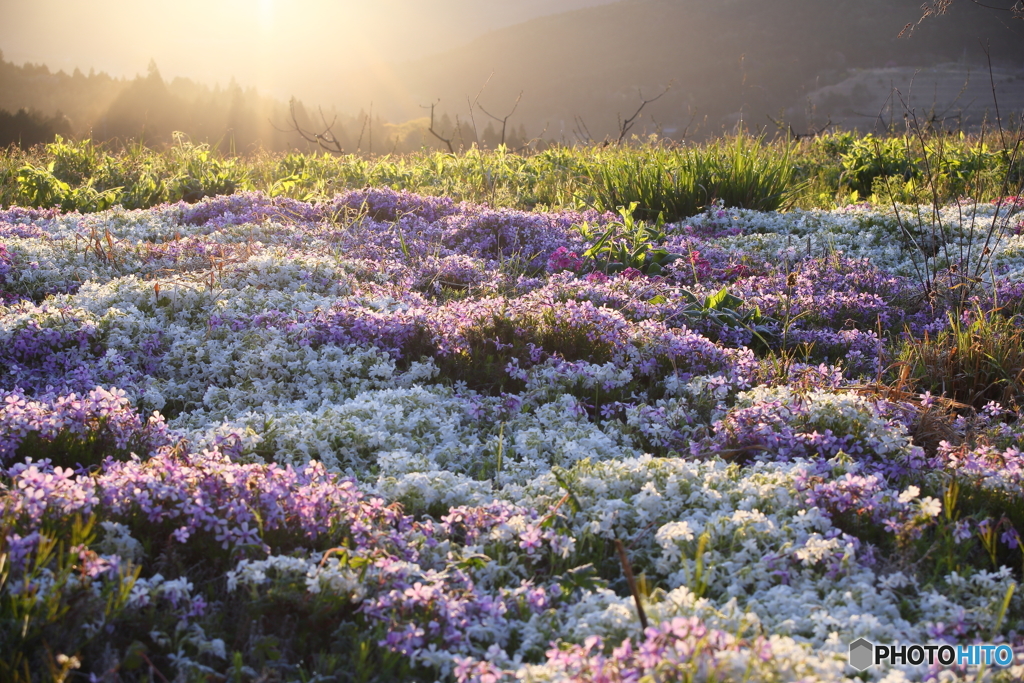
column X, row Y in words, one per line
column 117, row 540
column 673, row 532
column 910, row 494
column 930, row 507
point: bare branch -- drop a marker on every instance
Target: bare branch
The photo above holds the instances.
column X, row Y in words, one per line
column 473, row 102
column 472, row 118
column 504, row 120
column 995, row 100
column 581, row 131
column 458, row 131
column 538, row 141
column 325, row 139
column 1016, row 9
column 625, row 126
column 935, row 8
column 362, row 132
column 447, row 141
column 686, row 128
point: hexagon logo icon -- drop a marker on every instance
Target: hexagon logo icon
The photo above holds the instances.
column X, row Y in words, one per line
column 862, row 654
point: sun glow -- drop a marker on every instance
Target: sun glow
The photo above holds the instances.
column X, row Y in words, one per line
column 323, row 51
column 266, row 15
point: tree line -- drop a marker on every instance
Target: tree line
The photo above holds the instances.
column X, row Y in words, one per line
column 37, row 104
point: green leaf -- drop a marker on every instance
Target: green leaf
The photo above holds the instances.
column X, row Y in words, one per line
column 475, row 561
column 714, row 301
column 599, row 246
column 583, row 577
column 690, row 297
column 134, row 657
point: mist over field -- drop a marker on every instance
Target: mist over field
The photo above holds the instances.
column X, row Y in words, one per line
column 266, row 43
column 581, row 66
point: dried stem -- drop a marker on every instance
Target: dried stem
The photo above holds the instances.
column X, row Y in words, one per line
column 627, row 569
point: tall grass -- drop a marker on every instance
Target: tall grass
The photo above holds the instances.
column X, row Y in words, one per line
column 662, row 179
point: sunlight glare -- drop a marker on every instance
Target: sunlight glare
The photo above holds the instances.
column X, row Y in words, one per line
column 266, row 15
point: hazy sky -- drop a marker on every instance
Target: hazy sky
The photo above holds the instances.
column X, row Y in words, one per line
column 264, row 43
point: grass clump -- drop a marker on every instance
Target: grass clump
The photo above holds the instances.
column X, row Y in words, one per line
column 678, row 182
column 979, row 358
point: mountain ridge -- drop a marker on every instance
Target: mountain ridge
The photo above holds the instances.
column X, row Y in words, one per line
column 725, row 60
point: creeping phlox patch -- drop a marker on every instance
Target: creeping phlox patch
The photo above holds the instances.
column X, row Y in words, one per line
column 394, row 435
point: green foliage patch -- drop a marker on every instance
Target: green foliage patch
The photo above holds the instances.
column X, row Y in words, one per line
column 663, row 178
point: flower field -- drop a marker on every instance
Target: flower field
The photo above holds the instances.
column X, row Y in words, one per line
column 389, row 436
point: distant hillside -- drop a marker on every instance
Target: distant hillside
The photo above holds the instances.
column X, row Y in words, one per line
column 948, row 93
column 726, row 60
